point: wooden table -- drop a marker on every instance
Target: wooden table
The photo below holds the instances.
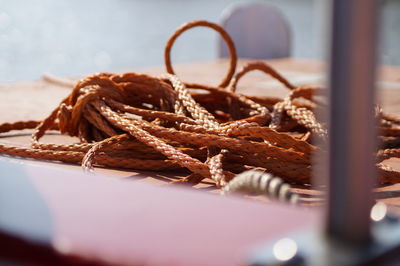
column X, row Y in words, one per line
column 33, row 100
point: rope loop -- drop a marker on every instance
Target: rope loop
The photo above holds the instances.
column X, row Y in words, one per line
column 203, row 23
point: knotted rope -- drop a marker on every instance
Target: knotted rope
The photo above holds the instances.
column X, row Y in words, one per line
column 141, row 122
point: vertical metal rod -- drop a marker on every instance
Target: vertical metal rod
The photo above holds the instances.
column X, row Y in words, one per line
column 352, row 122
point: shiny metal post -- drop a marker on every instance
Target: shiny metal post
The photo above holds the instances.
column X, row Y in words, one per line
column 352, row 135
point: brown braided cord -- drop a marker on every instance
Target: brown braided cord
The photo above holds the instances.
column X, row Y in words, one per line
column 242, row 99
column 261, row 66
column 76, row 157
column 215, row 164
column 20, row 125
column 150, row 114
column 216, row 27
column 99, row 146
column 199, row 114
column 302, row 115
column 141, row 122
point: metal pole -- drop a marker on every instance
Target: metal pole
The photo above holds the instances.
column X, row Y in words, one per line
column 352, row 136
column 352, row 238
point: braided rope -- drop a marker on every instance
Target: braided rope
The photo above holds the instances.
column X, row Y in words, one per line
column 301, row 115
column 141, row 122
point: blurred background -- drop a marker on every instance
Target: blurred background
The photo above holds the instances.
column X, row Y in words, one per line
column 70, row 37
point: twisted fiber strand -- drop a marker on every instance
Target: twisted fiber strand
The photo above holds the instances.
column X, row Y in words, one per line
column 129, row 154
column 245, row 100
column 98, row 121
column 124, row 139
column 306, row 92
column 120, row 151
column 214, row 162
column 292, row 172
column 64, row 116
column 45, row 125
column 76, row 157
column 201, row 115
column 139, row 88
column 260, row 119
column 301, row 114
column 258, row 108
column 69, row 156
column 217, row 174
column 272, row 136
column 141, row 134
column 83, row 132
column 304, row 117
column 277, row 114
column 101, row 80
column 92, row 93
column 20, row 125
column 149, row 113
column 78, row 147
column 244, row 128
column 265, row 100
column 261, row 66
column 125, row 142
column 90, row 155
column 304, row 97
column 133, row 163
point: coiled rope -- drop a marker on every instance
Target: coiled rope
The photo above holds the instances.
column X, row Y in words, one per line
column 141, row 122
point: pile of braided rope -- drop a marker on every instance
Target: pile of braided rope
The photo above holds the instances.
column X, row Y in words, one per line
column 141, row 122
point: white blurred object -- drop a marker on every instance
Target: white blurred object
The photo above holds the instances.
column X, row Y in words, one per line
column 259, row 31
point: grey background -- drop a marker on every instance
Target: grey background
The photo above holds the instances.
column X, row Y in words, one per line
column 69, row 37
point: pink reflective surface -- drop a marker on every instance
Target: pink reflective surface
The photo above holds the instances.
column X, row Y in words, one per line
column 123, row 222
